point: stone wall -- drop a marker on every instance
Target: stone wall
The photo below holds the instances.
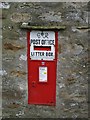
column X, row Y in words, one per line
column 72, row 68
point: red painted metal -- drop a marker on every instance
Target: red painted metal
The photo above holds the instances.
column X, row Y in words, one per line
column 42, row 92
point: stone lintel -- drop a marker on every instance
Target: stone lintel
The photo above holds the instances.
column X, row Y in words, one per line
column 26, row 26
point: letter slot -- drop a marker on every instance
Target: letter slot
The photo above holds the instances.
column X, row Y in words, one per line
column 42, row 48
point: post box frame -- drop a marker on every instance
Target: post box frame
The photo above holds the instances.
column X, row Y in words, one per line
column 28, row 63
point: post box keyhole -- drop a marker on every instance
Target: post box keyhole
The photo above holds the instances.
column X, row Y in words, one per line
column 33, row 83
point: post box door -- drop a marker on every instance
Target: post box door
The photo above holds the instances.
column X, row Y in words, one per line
column 42, row 69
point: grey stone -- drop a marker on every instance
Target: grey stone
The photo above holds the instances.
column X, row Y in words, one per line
column 72, row 72
column 4, row 5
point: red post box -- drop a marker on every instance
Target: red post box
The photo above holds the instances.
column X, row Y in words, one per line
column 42, row 64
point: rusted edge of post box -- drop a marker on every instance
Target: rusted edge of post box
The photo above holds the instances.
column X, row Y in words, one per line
column 26, row 26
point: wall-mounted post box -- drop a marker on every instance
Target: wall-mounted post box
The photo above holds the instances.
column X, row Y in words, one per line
column 42, row 64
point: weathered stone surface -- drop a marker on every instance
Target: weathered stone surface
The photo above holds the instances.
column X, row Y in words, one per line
column 59, row 48
column 72, row 66
column 18, row 73
column 9, row 46
column 12, row 94
column 23, row 57
column 3, row 72
column 13, row 105
column 4, row 5
column 51, row 16
column 20, row 17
